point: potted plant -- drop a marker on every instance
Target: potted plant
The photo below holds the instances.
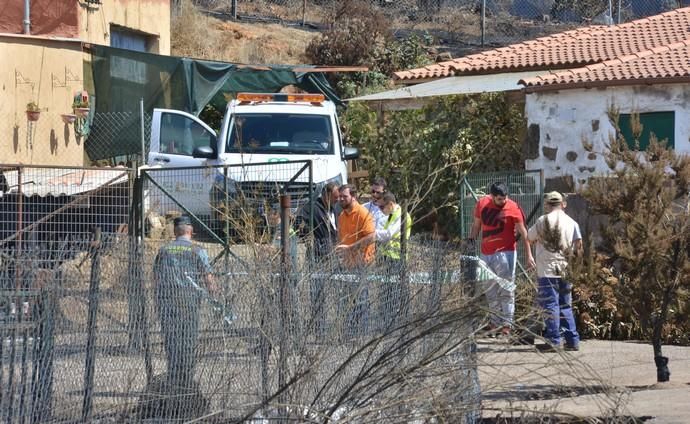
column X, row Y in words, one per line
column 33, row 112
column 80, row 105
column 68, row 118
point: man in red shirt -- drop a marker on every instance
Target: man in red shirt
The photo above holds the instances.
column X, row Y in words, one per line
column 499, row 218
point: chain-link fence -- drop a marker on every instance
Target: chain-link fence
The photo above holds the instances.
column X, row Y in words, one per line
column 119, row 137
column 100, row 321
column 483, row 22
column 242, row 203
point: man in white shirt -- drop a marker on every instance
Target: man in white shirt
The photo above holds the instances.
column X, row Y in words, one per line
column 557, row 237
column 378, row 188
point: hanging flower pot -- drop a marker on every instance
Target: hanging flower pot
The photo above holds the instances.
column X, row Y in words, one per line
column 81, row 112
column 33, row 112
column 68, row 118
column 80, row 104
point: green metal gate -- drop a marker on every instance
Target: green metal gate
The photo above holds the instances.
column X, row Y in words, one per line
column 524, row 187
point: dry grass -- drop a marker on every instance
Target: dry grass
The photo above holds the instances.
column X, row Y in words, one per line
column 199, row 36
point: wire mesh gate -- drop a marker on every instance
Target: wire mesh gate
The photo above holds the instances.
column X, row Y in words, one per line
column 304, row 342
column 526, row 188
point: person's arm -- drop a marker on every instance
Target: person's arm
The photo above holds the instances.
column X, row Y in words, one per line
column 578, row 248
column 476, row 226
column 577, row 241
column 387, row 234
column 206, row 272
column 533, row 233
column 364, row 241
column 477, row 223
column 528, row 248
column 157, row 268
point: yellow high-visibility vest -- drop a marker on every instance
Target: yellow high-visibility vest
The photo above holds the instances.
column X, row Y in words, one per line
column 392, row 247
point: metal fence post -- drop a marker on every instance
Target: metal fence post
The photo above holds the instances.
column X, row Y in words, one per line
column 304, row 12
column 311, row 241
column 143, row 132
column 404, row 283
column 20, row 213
column 284, row 296
column 87, row 405
column 133, row 321
column 42, row 386
column 233, row 8
column 482, row 22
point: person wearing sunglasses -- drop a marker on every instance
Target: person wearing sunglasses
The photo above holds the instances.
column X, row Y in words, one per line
column 378, row 188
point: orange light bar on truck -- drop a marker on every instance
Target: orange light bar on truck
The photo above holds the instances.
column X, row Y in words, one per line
column 280, row 97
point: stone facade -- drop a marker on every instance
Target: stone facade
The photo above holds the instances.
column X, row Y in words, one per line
column 561, row 120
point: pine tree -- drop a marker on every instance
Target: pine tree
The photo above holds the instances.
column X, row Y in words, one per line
column 551, row 237
column 647, row 239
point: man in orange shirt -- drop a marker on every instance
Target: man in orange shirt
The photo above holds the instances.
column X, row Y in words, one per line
column 356, row 230
column 356, row 233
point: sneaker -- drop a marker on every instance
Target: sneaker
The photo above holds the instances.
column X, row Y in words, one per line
column 571, row 348
column 547, row 348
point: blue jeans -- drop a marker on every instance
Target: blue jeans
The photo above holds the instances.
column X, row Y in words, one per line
column 555, row 298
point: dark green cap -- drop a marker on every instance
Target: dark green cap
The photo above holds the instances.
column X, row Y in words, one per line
column 182, row 220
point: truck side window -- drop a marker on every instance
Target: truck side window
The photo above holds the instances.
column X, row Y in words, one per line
column 181, row 135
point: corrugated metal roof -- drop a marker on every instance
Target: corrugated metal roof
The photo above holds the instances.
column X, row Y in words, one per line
column 60, row 181
column 470, row 84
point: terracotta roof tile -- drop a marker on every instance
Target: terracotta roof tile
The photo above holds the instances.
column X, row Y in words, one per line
column 666, row 62
column 577, row 47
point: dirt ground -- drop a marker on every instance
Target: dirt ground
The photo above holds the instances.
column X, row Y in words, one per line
column 603, row 379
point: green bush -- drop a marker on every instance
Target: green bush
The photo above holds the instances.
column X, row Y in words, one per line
column 424, row 153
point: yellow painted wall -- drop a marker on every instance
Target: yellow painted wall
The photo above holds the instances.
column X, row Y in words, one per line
column 148, row 16
column 47, row 72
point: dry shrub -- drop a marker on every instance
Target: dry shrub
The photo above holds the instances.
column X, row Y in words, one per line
column 263, row 43
column 357, row 28
column 194, row 35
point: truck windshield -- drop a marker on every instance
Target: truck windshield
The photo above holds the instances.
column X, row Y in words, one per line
column 281, row 133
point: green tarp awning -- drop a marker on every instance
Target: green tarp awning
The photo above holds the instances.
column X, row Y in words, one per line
column 122, row 77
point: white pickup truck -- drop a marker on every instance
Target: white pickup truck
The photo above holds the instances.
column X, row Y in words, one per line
column 256, row 128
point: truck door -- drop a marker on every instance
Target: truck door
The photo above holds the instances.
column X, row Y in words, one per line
column 175, row 138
